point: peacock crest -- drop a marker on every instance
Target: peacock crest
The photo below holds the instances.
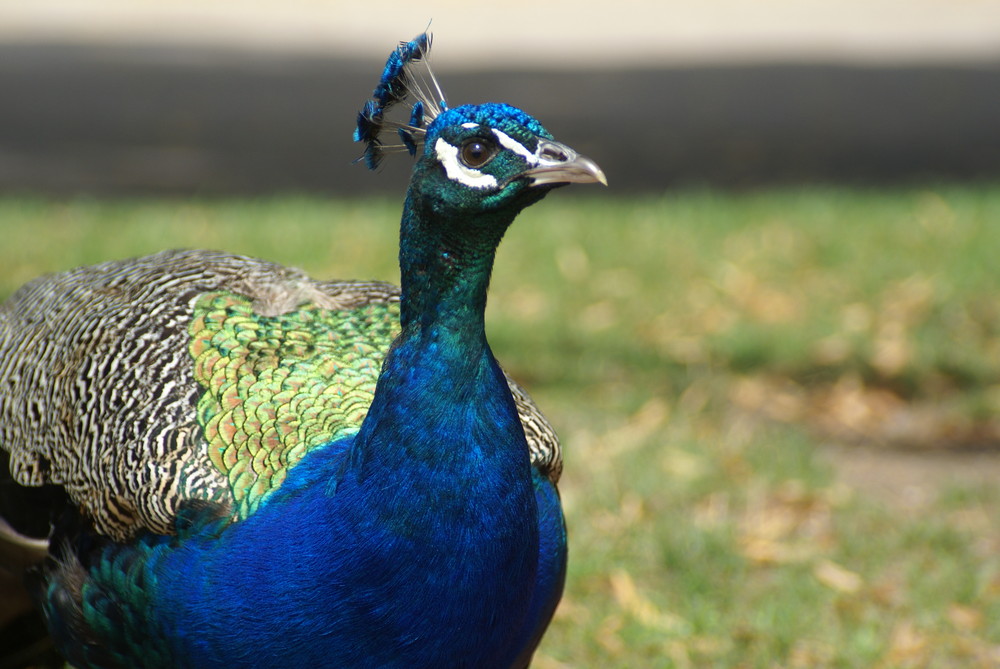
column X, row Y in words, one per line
column 407, row 79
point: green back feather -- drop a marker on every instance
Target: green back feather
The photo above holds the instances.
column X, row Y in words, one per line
column 276, row 387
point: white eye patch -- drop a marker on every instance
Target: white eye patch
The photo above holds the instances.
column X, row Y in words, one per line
column 511, row 144
column 447, row 154
column 546, row 154
column 456, row 171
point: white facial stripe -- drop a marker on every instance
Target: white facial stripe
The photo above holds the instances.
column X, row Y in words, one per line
column 470, row 126
column 456, row 171
column 508, row 142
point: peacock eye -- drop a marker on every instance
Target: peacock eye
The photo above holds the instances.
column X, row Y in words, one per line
column 477, row 151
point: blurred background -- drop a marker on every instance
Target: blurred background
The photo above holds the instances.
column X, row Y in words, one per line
column 181, row 96
column 771, row 347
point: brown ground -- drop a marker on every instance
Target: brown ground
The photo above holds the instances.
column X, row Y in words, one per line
column 902, row 452
column 910, row 480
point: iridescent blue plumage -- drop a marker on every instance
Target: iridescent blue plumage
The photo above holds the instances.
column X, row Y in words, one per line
column 400, row 81
column 430, row 536
column 395, row 81
column 416, row 123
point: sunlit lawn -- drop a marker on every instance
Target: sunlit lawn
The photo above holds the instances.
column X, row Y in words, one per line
column 697, row 353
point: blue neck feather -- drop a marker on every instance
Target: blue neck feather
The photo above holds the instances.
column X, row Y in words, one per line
column 445, row 266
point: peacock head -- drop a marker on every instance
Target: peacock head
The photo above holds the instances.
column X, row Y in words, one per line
column 472, row 158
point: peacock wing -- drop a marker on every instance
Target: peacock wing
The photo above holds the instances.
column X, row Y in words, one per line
column 138, row 384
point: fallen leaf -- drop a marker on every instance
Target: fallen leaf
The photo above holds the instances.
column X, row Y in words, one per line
column 639, row 607
column 837, row 578
column 965, row 617
column 906, row 645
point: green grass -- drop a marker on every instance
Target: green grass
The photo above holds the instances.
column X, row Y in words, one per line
column 696, row 352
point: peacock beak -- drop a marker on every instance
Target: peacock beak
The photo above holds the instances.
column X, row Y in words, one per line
column 556, row 163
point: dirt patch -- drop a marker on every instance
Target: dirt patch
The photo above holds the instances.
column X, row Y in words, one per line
column 910, row 480
column 903, row 452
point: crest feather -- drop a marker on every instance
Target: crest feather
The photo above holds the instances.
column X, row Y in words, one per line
column 407, row 75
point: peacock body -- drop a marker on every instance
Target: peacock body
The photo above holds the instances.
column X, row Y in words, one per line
column 245, row 467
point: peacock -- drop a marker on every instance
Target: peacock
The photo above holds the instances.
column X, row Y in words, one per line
column 216, row 461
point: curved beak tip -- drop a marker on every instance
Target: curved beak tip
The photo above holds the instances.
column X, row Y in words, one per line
column 599, row 176
column 562, row 165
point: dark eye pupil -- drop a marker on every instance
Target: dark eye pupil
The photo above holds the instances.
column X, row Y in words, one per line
column 476, row 152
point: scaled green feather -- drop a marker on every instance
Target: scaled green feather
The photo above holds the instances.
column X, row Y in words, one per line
column 278, row 387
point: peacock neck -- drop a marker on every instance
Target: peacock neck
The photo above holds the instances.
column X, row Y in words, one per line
column 440, row 382
column 445, row 263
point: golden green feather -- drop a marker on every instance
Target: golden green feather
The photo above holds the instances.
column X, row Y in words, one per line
column 276, row 387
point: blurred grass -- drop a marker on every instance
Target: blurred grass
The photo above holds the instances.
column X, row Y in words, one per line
column 695, row 352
